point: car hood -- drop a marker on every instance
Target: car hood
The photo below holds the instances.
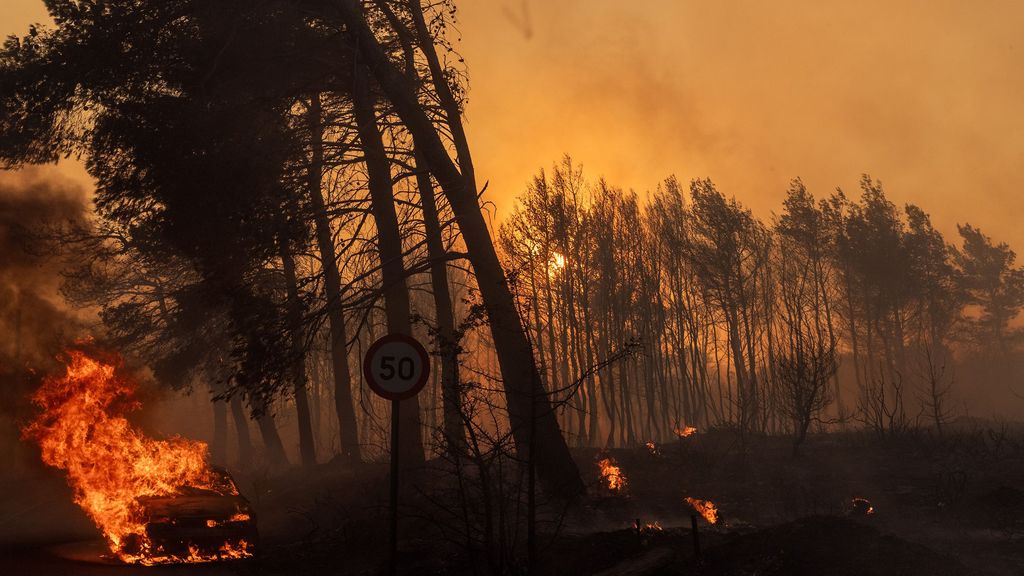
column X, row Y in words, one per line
column 216, row 507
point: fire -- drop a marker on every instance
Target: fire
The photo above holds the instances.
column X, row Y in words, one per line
column 652, row 448
column 861, row 507
column 110, row 464
column 685, row 431
column 653, row 526
column 705, row 508
column 612, row 474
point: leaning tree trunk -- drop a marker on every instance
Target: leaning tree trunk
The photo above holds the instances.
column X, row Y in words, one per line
column 343, row 406
column 389, row 245
column 524, row 393
column 272, row 442
column 307, row 449
column 448, row 343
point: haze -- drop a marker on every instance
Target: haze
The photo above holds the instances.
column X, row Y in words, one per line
column 926, row 96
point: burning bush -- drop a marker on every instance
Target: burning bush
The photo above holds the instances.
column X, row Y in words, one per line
column 612, row 475
column 705, row 508
column 684, row 431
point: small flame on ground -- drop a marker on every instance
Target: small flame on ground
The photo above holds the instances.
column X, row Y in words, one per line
column 653, row 526
column 684, row 431
column 705, row 508
column 862, row 506
column 612, row 475
column 110, row 464
column 652, row 448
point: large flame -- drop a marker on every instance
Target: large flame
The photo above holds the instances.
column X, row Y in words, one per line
column 612, row 475
column 110, row 463
column 705, row 508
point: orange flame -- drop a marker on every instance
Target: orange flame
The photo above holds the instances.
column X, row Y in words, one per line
column 685, row 431
column 110, row 463
column 612, row 475
column 652, row 448
column 705, row 508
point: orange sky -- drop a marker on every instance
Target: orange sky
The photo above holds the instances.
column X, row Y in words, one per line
column 928, row 96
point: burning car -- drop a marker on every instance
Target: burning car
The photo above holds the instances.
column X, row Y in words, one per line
column 197, row 524
column 156, row 501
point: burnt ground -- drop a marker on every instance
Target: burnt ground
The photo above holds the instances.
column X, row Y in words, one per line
column 942, row 507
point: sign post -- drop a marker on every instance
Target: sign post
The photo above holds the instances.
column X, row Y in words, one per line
column 396, row 367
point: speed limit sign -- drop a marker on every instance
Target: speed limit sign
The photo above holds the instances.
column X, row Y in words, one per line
column 396, row 367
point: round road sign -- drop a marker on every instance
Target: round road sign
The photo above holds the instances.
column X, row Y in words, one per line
column 396, row 367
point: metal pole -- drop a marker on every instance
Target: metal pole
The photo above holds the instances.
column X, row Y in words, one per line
column 696, row 537
column 393, row 557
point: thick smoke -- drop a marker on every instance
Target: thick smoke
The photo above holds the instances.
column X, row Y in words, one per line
column 35, row 324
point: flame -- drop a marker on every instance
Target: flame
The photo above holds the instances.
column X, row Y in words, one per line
column 653, row 526
column 652, row 448
column 612, row 474
column 862, row 506
column 705, row 508
column 110, row 463
column 685, row 431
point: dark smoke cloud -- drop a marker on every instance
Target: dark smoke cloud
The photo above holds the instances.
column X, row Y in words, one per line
column 35, row 324
column 33, row 317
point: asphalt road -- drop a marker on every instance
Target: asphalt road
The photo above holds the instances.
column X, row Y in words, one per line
column 43, row 533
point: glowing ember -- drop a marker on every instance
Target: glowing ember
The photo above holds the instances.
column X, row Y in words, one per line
column 685, row 431
column 653, row 526
column 612, row 475
column 705, row 508
column 111, row 465
column 652, row 448
column 861, row 507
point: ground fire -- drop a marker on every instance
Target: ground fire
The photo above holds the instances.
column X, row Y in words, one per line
column 612, row 475
column 861, row 507
column 685, row 431
column 156, row 501
column 705, row 508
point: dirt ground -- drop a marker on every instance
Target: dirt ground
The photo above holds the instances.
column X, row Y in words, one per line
column 941, row 507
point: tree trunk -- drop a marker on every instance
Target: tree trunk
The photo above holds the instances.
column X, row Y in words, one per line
column 219, row 448
column 523, row 389
column 307, row 450
column 242, row 432
column 447, row 339
column 344, row 407
column 272, row 442
column 389, row 245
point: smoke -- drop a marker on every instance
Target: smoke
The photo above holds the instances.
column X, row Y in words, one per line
column 33, row 317
column 926, row 96
column 35, row 324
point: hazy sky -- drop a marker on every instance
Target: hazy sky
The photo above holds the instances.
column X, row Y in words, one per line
column 927, row 96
